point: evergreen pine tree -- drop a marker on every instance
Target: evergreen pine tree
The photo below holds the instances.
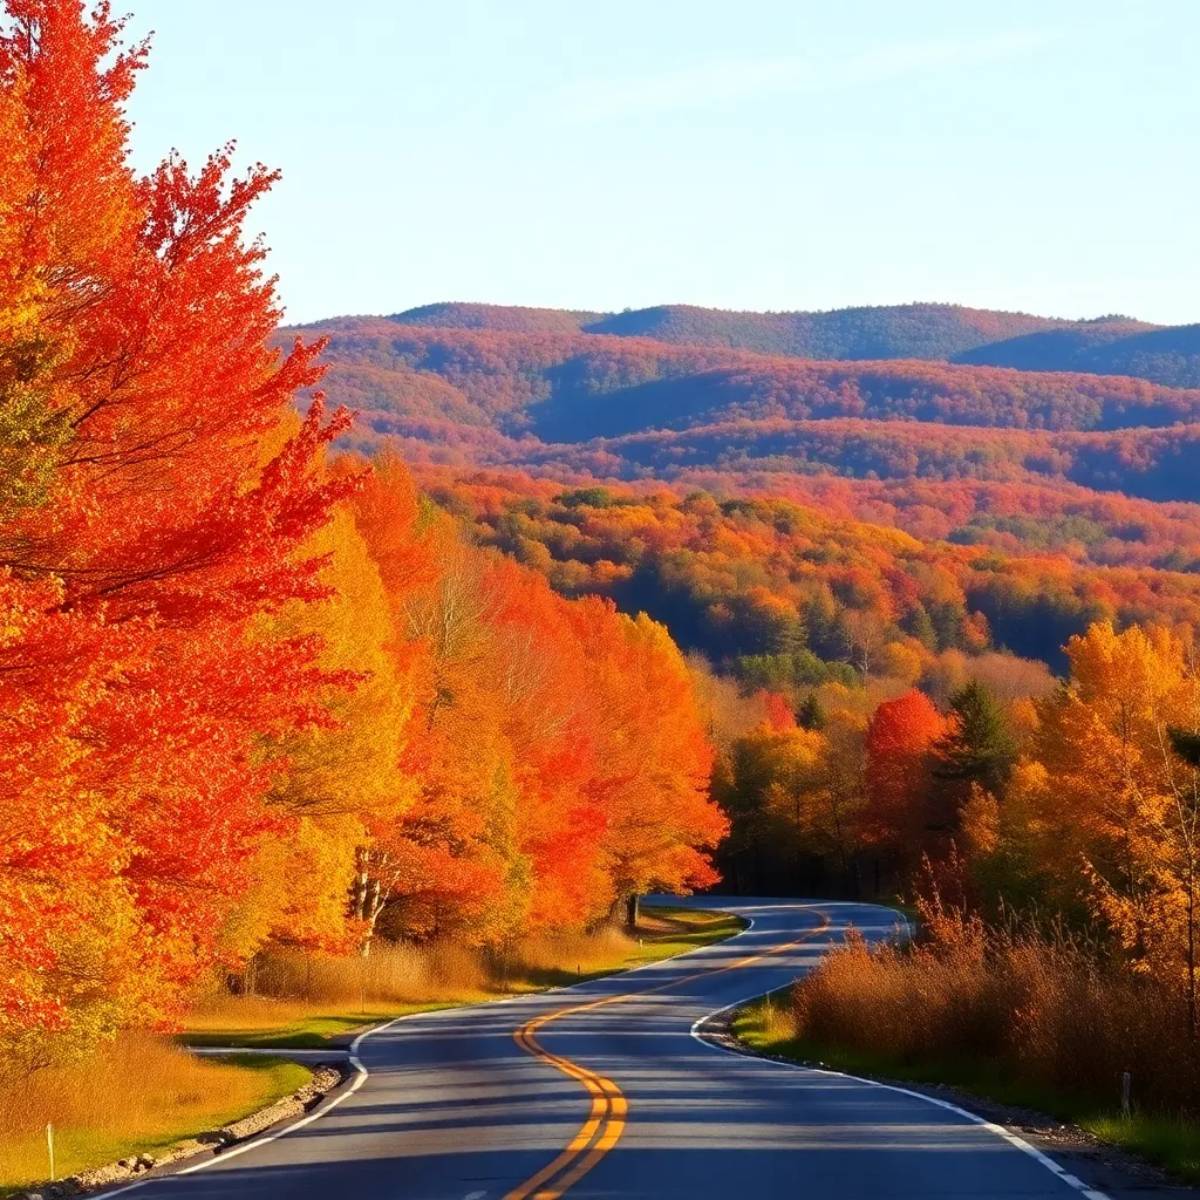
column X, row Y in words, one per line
column 979, row 748
column 811, row 714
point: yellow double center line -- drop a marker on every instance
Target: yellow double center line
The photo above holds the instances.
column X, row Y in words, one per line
column 606, row 1119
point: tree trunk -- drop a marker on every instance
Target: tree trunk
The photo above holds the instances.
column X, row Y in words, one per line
column 1191, row 950
column 632, row 912
column 372, row 907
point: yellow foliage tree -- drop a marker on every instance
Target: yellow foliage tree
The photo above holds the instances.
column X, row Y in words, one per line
column 339, row 778
column 1116, row 797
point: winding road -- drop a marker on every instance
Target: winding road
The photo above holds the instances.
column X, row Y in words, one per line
column 610, row 1089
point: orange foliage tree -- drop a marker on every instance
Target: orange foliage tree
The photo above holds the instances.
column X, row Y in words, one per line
column 653, row 760
column 556, row 749
column 1116, row 797
column 900, row 812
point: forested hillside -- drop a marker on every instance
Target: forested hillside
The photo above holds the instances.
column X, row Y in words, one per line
column 1097, row 468
column 937, row 331
column 565, row 387
column 1170, row 356
column 776, row 592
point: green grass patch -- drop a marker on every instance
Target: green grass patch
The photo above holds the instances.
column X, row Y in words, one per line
column 1173, row 1144
column 691, row 929
column 315, row 1031
column 765, row 1027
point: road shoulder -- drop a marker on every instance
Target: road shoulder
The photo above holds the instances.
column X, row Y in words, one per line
column 1103, row 1169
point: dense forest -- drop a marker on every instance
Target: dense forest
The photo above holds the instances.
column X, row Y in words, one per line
column 756, row 576
column 997, row 735
column 266, row 683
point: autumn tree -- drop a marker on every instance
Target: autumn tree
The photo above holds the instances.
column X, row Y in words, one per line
column 142, row 537
column 902, row 815
column 340, row 777
column 450, row 862
column 811, row 714
column 653, row 760
column 1119, row 799
column 794, row 796
column 769, row 793
column 537, row 670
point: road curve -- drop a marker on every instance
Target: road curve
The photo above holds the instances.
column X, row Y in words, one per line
column 607, row 1090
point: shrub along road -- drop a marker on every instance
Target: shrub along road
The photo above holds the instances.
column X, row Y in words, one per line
column 609, row 1089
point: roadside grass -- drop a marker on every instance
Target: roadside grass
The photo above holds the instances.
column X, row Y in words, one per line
column 662, row 933
column 165, row 1096
column 767, row 1026
column 326, row 1002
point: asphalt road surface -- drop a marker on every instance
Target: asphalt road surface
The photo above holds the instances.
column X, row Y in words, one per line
column 607, row 1089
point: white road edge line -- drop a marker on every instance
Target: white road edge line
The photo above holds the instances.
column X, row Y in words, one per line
column 361, row 1072
column 1013, row 1139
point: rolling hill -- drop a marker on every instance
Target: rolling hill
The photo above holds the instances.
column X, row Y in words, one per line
column 1170, row 356
column 1101, row 468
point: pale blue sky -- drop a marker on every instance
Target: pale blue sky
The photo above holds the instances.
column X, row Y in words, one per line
column 760, row 154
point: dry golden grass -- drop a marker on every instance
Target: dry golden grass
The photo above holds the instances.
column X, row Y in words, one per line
column 391, row 973
column 305, row 999
column 401, row 973
column 535, row 958
column 133, row 1096
column 1046, row 1010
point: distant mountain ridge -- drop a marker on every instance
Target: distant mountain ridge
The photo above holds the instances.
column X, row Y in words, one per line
column 500, row 318
column 1109, row 345
column 902, row 331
